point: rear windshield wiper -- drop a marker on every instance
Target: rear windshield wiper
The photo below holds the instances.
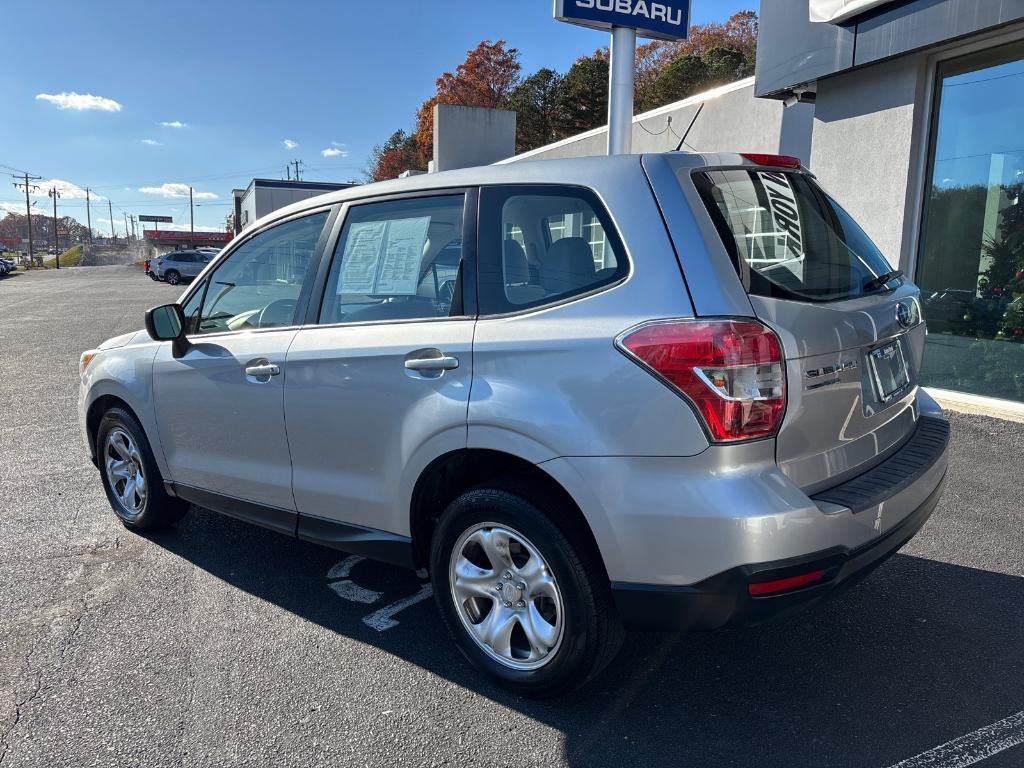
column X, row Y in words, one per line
column 878, row 282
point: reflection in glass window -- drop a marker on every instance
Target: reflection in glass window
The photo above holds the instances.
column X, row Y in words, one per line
column 258, row 285
column 971, row 263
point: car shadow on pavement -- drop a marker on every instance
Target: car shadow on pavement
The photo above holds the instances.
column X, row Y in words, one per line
column 919, row 653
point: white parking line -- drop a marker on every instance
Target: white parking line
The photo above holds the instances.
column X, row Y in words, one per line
column 349, row 590
column 973, row 747
column 344, row 568
column 381, row 620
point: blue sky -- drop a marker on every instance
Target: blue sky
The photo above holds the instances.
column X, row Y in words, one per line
column 207, row 92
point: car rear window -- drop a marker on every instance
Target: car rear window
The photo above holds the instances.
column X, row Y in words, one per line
column 788, row 238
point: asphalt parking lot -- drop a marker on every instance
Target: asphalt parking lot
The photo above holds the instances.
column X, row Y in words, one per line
column 220, row 644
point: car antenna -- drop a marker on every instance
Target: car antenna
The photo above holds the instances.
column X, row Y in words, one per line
column 682, row 139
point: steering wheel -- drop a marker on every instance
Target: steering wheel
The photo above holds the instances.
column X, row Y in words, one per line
column 277, row 313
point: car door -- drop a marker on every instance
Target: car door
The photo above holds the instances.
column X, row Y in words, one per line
column 220, row 406
column 378, row 382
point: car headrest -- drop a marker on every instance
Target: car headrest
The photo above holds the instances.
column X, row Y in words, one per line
column 517, row 269
column 569, row 265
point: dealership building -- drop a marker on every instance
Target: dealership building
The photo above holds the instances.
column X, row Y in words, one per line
column 911, row 113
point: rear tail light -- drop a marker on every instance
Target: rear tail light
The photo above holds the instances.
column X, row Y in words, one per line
column 731, row 370
column 776, row 161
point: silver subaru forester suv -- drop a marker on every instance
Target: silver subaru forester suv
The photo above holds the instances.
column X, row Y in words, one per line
column 670, row 391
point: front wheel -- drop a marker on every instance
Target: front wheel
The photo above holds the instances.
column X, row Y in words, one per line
column 525, row 601
column 131, row 478
column 172, row 277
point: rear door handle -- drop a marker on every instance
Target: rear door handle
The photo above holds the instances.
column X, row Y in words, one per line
column 443, row 363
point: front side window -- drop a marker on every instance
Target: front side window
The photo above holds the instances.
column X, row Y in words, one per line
column 540, row 245
column 258, row 285
column 397, row 260
column 789, row 239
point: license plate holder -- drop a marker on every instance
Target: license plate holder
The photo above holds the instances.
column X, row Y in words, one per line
column 889, row 367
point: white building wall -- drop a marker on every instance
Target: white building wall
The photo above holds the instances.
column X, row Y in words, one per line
column 732, row 120
column 864, row 150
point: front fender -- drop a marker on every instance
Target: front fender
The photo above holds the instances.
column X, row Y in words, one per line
column 125, row 373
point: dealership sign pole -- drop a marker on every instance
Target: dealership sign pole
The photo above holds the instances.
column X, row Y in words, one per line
column 626, row 19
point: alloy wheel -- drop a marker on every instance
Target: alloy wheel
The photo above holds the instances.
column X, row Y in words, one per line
column 125, row 472
column 506, row 596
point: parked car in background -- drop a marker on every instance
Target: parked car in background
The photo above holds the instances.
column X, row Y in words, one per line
column 674, row 391
column 6, row 266
column 180, row 266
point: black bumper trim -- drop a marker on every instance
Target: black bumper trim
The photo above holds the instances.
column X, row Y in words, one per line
column 895, row 474
column 723, row 600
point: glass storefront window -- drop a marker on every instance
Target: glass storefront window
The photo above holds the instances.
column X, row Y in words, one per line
column 971, row 264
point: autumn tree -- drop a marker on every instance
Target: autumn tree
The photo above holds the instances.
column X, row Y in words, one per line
column 484, row 79
column 390, row 159
column 550, row 106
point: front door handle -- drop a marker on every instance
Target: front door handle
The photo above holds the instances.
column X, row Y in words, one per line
column 442, row 363
column 262, row 369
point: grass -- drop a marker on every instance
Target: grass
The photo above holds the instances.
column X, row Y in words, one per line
column 72, row 257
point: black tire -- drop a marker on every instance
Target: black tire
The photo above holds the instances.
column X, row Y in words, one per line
column 157, row 510
column 172, row 277
column 591, row 632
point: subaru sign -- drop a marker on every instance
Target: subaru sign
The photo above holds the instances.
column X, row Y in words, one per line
column 660, row 19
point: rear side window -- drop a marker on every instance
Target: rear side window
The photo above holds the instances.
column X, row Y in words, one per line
column 788, row 238
column 540, row 245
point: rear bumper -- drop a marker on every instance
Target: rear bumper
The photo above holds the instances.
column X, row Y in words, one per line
column 724, row 600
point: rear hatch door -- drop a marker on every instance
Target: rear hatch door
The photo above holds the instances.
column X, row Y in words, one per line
column 853, row 340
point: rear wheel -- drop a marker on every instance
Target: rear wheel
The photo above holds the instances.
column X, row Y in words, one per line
column 131, row 478
column 525, row 601
column 172, row 276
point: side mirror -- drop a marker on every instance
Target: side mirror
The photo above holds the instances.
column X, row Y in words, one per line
column 167, row 323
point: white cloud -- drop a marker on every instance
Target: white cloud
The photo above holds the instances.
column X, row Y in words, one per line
column 151, row 142
column 174, row 189
column 334, row 152
column 13, row 207
column 289, row 144
column 173, row 124
column 68, row 191
column 79, row 101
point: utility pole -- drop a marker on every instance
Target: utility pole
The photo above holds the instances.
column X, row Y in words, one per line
column 191, row 220
column 110, row 212
column 28, row 185
column 88, row 213
column 298, row 174
column 127, row 231
column 288, row 171
column 55, row 193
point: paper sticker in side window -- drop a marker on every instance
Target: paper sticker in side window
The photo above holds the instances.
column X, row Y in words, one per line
column 382, row 258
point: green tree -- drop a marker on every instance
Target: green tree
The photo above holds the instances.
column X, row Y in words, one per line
column 725, row 65
column 583, row 97
column 535, row 101
column 683, row 77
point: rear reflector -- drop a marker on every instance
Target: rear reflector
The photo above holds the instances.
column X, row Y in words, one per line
column 731, row 370
column 776, row 161
column 763, row 588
